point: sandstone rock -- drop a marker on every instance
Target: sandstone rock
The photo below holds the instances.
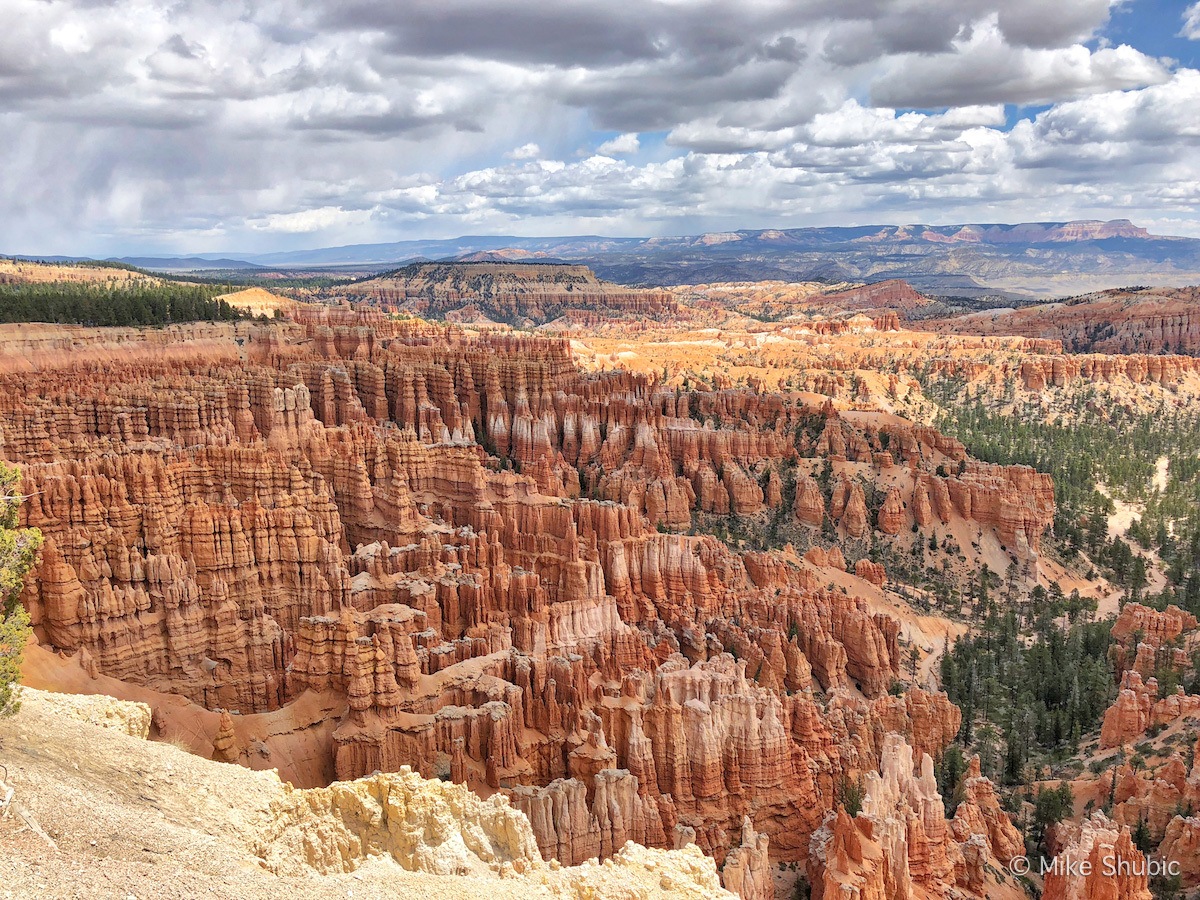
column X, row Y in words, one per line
column 891, row 514
column 921, row 506
column 899, row 846
column 424, row 826
column 1181, row 843
column 869, row 571
column 1117, row 868
column 809, row 506
column 1137, row 707
column 849, row 507
column 1154, row 321
column 747, row 870
column 451, row 538
column 1156, row 628
column 979, row 813
column 225, row 743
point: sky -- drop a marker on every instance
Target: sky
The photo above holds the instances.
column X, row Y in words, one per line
column 172, row 127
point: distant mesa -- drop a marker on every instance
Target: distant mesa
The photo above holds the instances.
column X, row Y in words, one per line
column 968, row 260
column 1034, row 232
column 514, row 293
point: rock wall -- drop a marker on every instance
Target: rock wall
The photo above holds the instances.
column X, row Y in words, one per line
column 1138, row 707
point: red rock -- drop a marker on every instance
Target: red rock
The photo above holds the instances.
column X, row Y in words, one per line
column 979, row 812
column 899, row 846
column 1137, row 708
column 1100, row 862
column 1133, row 321
column 451, row 538
column 872, row 572
column 849, row 508
column 225, row 743
column 809, row 506
column 1181, row 844
column 891, row 514
column 747, row 869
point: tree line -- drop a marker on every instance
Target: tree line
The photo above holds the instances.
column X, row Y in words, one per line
column 124, row 303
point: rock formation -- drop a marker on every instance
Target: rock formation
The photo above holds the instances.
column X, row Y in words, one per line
column 747, row 870
column 516, row 293
column 463, row 543
column 1137, row 707
column 225, row 743
column 1099, row 861
column 1135, row 320
column 395, row 832
column 1181, row 843
column 901, row 845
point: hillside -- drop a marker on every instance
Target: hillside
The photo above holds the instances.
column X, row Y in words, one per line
column 1127, row 320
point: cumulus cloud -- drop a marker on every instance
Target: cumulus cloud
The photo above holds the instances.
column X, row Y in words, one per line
column 177, row 127
column 525, row 151
column 621, row 145
column 307, row 221
column 987, row 69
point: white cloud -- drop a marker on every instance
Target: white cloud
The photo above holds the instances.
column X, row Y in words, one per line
column 1191, row 23
column 147, row 126
column 987, row 69
column 308, row 221
column 621, row 145
column 525, row 151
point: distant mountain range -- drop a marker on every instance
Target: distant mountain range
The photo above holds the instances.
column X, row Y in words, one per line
column 1039, row 258
column 185, row 263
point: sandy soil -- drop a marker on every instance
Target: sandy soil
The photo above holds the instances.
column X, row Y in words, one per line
column 1118, row 526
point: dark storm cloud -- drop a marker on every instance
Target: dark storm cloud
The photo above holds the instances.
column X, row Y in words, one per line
column 660, row 98
column 561, row 33
column 1042, row 25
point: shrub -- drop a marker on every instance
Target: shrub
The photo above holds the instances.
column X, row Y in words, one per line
column 18, row 546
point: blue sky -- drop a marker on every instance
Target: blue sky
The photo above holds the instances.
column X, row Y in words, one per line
column 209, row 125
column 1154, row 27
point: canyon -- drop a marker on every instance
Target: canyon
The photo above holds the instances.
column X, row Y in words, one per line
column 315, row 515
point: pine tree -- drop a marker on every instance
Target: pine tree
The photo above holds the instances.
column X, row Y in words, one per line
column 18, row 546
